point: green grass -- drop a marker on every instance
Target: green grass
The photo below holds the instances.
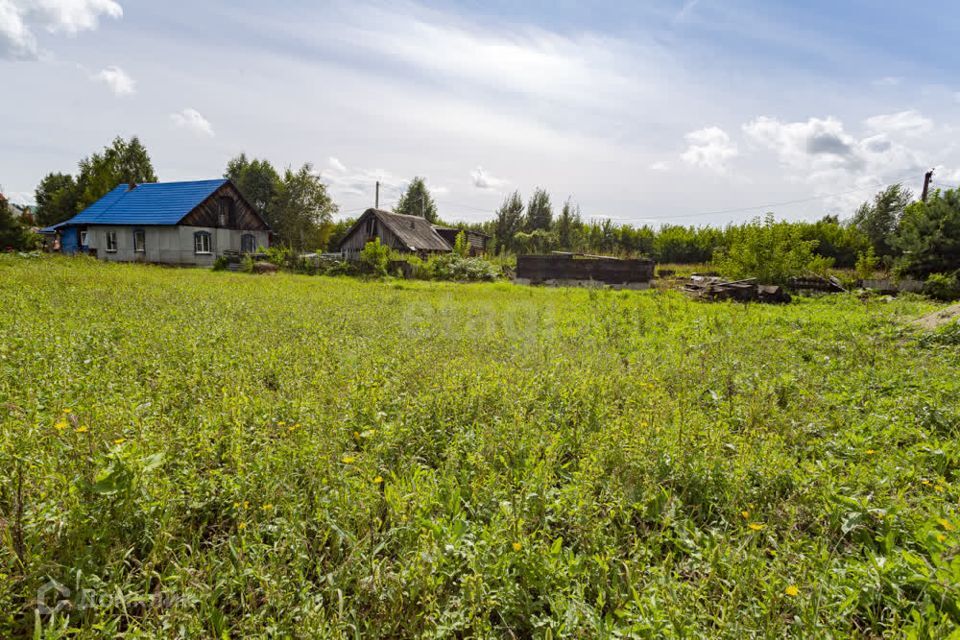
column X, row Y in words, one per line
column 216, row 454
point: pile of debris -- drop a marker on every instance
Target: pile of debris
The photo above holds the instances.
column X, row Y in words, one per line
column 713, row 288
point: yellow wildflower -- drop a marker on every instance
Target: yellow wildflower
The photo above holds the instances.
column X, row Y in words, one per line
column 119, row 441
column 246, row 504
column 60, row 426
column 941, row 537
column 745, row 514
column 870, row 452
column 268, row 507
column 792, row 591
column 946, row 524
column 756, row 526
column 82, row 429
column 67, row 410
column 378, row 480
column 242, row 526
column 349, row 459
column 517, row 546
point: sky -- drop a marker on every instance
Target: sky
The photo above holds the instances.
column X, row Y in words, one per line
column 658, row 112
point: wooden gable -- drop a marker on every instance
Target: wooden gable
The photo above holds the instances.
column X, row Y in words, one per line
column 226, row 208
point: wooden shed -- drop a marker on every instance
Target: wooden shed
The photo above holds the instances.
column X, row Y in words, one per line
column 475, row 240
column 402, row 233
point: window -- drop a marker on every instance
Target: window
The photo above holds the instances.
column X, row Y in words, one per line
column 248, row 243
column 139, row 241
column 201, row 242
column 227, row 216
column 83, row 238
column 111, row 241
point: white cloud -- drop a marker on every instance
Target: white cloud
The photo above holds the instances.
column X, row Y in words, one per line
column 909, row 122
column 119, row 81
column 484, row 180
column 193, row 121
column 19, row 19
column 710, row 148
column 660, row 165
column 337, row 165
column 346, row 181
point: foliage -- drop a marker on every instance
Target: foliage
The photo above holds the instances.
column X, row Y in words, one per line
column 867, row 263
column 509, row 221
column 13, row 233
column 56, row 197
column 942, row 286
column 568, row 219
column 461, row 246
column 879, row 220
column 209, row 455
column 536, row 241
column 257, row 180
column 929, row 235
column 417, row 201
column 375, row 258
column 769, row 251
column 539, row 212
column 302, row 209
column 123, row 162
column 457, row 268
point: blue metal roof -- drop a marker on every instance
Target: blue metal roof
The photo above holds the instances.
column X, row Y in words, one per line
column 151, row 203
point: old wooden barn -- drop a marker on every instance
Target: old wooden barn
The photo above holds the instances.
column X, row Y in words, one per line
column 568, row 269
column 404, row 234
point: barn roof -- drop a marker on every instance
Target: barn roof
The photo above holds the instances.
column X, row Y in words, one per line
column 150, row 203
column 414, row 232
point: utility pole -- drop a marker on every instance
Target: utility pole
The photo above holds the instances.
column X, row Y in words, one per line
column 926, row 185
column 376, row 202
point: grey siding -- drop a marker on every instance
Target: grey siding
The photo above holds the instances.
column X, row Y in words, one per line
column 169, row 245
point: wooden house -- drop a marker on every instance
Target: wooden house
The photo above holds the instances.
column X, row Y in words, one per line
column 402, row 233
column 476, row 241
column 184, row 223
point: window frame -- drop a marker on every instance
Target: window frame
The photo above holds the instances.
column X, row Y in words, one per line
column 142, row 233
column 111, row 242
column 198, row 237
column 82, row 237
column 252, row 239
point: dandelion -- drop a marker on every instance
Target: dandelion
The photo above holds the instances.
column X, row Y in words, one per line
column 60, row 426
column 268, row 507
column 378, row 480
column 946, row 524
column 82, row 429
column 870, row 452
column 349, row 459
column 745, row 514
column 242, row 526
column 792, row 591
column 756, row 526
column 517, row 546
column 925, row 483
column 119, row 441
column 67, row 410
column 246, row 504
column 941, row 537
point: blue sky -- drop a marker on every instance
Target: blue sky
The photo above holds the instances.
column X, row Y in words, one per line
column 700, row 112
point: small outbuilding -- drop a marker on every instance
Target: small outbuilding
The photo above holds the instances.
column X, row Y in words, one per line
column 402, row 233
column 570, row 269
column 181, row 223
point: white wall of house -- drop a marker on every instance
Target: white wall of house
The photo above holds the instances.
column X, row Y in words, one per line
column 169, row 245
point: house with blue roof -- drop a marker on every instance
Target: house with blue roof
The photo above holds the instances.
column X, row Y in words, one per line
column 182, row 223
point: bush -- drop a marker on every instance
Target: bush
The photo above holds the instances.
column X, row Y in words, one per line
column 452, row 266
column 770, row 251
column 220, row 264
column 375, row 258
column 942, row 286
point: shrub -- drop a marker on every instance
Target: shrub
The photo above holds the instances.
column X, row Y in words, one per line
column 769, row 251
column 375, row 258
column 942, row 286
column 451, row 266
column 867, row 263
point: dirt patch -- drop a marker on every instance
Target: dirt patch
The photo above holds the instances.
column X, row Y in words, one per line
column 938, row 318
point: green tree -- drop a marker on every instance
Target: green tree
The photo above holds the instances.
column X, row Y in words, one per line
column 878, row 220
column 509, row 221
column 416, row 201
column 566, row 224
column 301, row 209
column 56, row 197
column 124, row 161
column 461, row 246
column 375, row 258
column 257, row 180
column 13, row 234
column 539, row 211
column 929, row 235
column 769, row 251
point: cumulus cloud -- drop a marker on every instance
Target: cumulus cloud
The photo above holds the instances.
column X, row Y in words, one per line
column 710, row 148
column 20, row 18
column 192, row 121
column 351, row 181
column 484, row 180
column 118, row 80
column 909, row 122
column 820, row 152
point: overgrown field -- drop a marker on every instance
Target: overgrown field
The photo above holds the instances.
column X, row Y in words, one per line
column 204, row 454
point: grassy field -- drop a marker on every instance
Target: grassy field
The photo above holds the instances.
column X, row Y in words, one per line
column 203, row 454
